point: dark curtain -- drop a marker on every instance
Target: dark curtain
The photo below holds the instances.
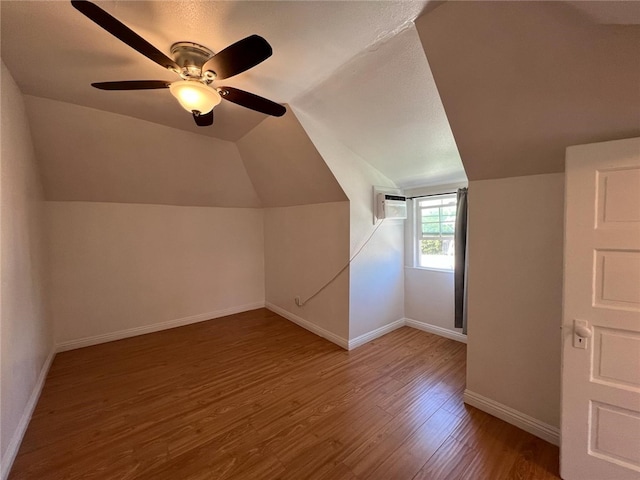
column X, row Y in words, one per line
column 461, row 261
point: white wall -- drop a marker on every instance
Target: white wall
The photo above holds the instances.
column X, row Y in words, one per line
column 117, row 267
column 26, row 337
column 376, row 283
column 305, row 247
column 429, row 297
column 515, row 292
column 377, row 280
column 306, row 226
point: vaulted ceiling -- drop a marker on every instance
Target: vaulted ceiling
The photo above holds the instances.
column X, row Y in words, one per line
column 522, row 81
column 53, row 51
column 504, row 87
column 384, row 105
column 386, row 108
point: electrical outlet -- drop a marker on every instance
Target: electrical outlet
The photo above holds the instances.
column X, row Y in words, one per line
column 297, row 300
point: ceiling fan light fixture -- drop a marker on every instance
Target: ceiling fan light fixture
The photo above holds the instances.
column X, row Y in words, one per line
column 195, row 96
column 196, row 64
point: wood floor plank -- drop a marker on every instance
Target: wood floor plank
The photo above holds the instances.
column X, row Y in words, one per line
column 253, row 396
column 448, row 463
column 337, row 472
column 447, row 380
column 495, row 440
column 456, row 404
column 374, row 451
column 343, row 422
column 536, row 459
column 409, row 458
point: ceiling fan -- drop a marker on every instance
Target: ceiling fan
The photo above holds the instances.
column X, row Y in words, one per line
column 197, row 65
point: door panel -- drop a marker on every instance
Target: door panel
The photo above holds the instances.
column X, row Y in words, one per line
column 614, row 351
column 615, row 188
column 615, row 434
column 617, row 276
column 600, row 421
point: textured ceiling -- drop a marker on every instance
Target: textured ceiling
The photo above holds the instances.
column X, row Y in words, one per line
column 384, row 106
column 55, row 52
column 358, row 69
column 284, row 166
column 609, row 12
column 522, row 81
column 96, row 156
column 274, row 165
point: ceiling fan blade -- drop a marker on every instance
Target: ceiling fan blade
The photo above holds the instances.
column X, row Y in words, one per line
column 132, row 85
column 204, row 120
column 239, row 57
column 118, row 29
column 252, row 101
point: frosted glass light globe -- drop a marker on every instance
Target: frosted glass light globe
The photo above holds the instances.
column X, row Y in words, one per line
column 195, row 96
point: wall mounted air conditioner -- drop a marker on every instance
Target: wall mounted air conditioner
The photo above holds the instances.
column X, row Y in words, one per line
column 391, row 206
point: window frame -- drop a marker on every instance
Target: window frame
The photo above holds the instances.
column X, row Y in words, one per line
column 418, row 236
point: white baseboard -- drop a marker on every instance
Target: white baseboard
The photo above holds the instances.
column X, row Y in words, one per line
column 307, row 325
column 14, row 444
column 367, row 337
column 378, row 332
column 156, row 327
column 529, row 424
column 443, row 332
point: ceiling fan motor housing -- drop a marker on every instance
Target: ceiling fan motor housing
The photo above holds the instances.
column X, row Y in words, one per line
column 191, row 57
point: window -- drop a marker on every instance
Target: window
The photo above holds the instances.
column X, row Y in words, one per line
column 436, row 221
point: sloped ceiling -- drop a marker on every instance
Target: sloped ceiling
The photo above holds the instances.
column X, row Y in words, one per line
column 521, row 81
column 285, row 167
column 53, row 51
column 383, row 104
column 96, row 156
column 313, row 43
column 608, row 12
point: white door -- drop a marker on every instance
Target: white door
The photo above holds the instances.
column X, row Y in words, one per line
column 600, row 431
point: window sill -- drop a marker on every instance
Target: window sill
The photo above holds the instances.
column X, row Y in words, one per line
column 430, row 269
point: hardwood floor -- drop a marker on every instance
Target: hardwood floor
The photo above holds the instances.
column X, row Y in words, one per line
column 253, row 396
